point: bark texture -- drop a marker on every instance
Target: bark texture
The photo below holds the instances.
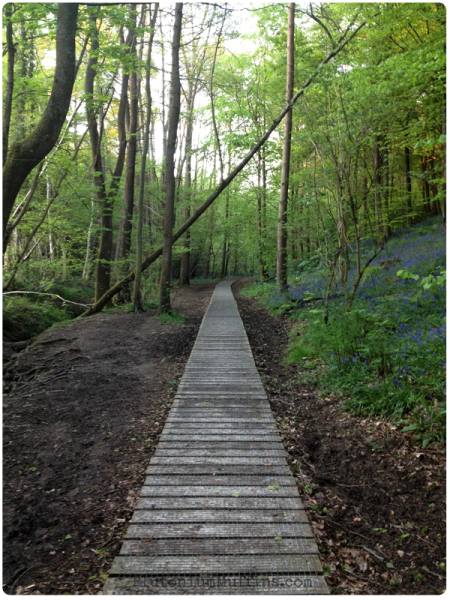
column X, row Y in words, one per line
column 26, row 154
column 164, row 293
column 283, row 206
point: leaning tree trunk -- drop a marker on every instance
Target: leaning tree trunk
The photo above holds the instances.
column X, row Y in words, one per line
column 26, row 154
column 164, row 294
column 282, row 211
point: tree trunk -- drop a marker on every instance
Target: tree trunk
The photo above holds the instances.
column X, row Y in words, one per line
column 7, row 107
column 26, row 154
column 124, row 239
column 137, row 301
column 408, row 187
column 105, row 200
column 185, row 257
column 282, row 211
column 174, row 114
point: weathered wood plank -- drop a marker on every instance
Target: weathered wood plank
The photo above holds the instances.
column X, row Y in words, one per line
column 223, row 452
column 215, row 480
column 146, row 565
column 220, row 491
column 259, row 445
column 261, row 585
column 196, row 503
column 217, row 547
column 216, row 460
column 218, row 469
column 224, row 427
column 222, row 530
column 220, row 437
column 219, row 516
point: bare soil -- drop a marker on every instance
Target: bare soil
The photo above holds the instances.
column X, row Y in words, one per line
column 89, row 403
column 376, row 500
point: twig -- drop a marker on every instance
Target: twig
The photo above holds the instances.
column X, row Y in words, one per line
column 20, row 577
column 375, row 554
column 433, row 573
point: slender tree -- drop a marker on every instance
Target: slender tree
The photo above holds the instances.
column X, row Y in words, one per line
column 137, row 302
column 174, row 114
column 283, row 206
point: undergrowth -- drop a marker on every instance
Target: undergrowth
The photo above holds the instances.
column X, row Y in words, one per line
column 387, row 355
column 170, row 317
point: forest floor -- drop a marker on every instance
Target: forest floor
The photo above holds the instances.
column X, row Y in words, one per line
column 100, row 390
column 79, row 430
column 376, row 500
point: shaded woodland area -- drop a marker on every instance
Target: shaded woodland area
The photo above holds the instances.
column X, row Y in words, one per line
column 152, row 139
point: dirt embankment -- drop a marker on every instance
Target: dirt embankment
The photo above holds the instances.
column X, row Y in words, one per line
column 79, row 429
column 376, row 501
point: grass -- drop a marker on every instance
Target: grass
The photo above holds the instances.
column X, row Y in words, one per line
column 170, row 317
column 24, row 318
column 387, row 356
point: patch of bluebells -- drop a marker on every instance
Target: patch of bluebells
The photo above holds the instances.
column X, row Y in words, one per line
column 402, row 359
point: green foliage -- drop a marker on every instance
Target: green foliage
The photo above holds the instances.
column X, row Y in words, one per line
column 24, row 318
column 170, row 318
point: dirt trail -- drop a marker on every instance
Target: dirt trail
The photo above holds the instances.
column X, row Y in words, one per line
column 79, row 430
column 376, row 501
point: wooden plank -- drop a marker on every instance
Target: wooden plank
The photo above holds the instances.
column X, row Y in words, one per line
column 196, row 503
column 217, row 547
column 261, row 585
column 225, row 452
column 176, row 437
column 216, row 460
column 230, row 445
column 307, row 564
column 242, row 529
column 213, row 446
column 224, row 491
column 218, row 469
column 221, row 428
column 219, row 479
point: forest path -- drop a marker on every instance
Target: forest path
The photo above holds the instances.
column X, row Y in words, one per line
column 219, row 511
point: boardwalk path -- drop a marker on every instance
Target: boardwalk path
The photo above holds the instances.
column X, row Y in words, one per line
column 219, row 511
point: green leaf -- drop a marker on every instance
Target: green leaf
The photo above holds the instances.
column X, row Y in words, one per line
column 389, row 565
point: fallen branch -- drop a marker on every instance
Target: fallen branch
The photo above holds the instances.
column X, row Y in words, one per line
column 47, row 294
column 101, row 303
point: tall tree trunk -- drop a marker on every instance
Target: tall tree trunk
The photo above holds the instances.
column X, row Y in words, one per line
column 105, row 200
column 174, row 114
column 185, row 257
column 425, row 186
column 26, row 154
column 7, row 107
column 408, row 187
column 262, row 273
column 137, row 301
column 282, row 211
column 124, row 239
column 223, row 270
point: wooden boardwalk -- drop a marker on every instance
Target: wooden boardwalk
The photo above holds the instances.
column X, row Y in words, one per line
column 219, row 512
